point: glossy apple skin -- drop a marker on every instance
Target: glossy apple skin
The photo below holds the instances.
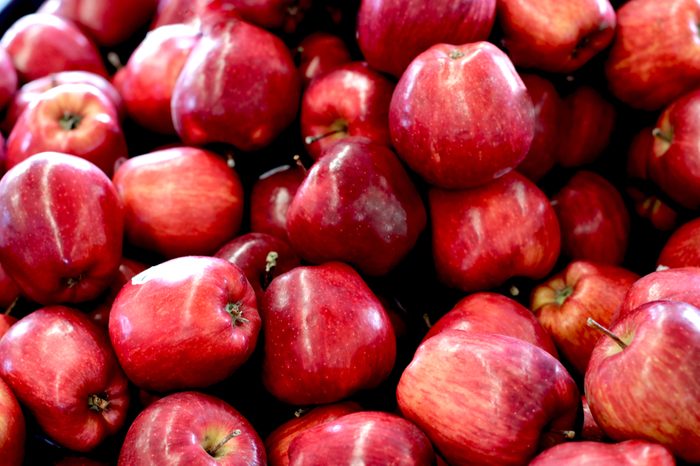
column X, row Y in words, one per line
column 8, row 78
column 278, row 442
column 239, row 86
column 270, row 198
column 177, row 430
column 127, row 270
column 306, row 311
column 61, row 227
column 164, row 316
column 13, row 428
column 205, row 201
column 494, row 313
column 391, row 33
column 357, row 205
column 564, row 302
column 41, row 44
column 651, row 389
column 6, row 322
column 9, row 291
column 96, row 137
column 368, row 437
column 459, row 146
column 590, row 430
column 351, row 99
column 629, row 453
column 654, row 58
column 518, row 393
column 272, row 14
column 484, row 236
column 55, row 359
column 319, row 53
column 595, row 224
column 176, row 12
column 559, row 37
column 683, row 247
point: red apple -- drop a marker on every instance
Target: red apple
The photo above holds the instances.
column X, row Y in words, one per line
column 270, row 198
column 645, row 383
column 176, row 12
column 204, row 204
column 8, row 78
column 75, row 119
column 484, row 236
column 473, row 85
column 272, row 14
column 590, row 429
column 61, row 367
column 61, row 227
column 487, row 398
column 391, row 33
column 9, row 291
column 639, row 153
column 319, row 53
column 683, row 247
column 191, row 428
column 6, row 322
column 127, row 270
column 326, row 335
column 659, row 213
column 12, row 433
column 350, row 100
column 629, row 453
column 165, row 316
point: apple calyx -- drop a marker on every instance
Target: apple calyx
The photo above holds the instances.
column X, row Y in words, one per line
column 236, row 313
column 71, row 282
column 562, row 294
column 70, row 121
column 98, row 403
column 567, row 434
column 593, row 324
column 338, row 127
column 214, row 452
column 270, row 264
column 455, row 54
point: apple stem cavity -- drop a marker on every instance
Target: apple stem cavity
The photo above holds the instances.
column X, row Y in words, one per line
column 659, row 134
column 236, row 313
column 562, row 294
column 98, row 403
column 455, row 54
column 593, row 324
column 70, row 121
column 214, row 451
column 270, row 264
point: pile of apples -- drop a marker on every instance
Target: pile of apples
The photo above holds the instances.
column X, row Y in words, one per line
column 332, row 232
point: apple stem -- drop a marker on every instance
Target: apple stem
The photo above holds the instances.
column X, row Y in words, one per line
column 568, row 434
column 299, row 412
column 657, row 133
column 426, row 319
column 593, row 324
column 70, row 121
column 234, row 309
column 297, row 161
column 223, row 441
column 230, row 161
column 11, row 306
column 311, row 139
column 514, row 291
column 115, row 61
column 270, row 264
column 97, row 403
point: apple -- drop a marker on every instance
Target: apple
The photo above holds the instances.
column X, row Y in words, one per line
column 326, row 335
column 8, row 78
column 484, row 236
column 656, row 211
column 350, row 100
column 272, row 14
column 76, row 119
column 40, row 44
column 12, row 433
column 163, row 318
column 391, row 33
column 61, row 227
column 191, row 428
column 204, row 205
column 643, row 382
column 473, row 85
column 357, row 205
column 639, row 153
column 270, row 197
column 629, row 453
column 590, row 430
column 61, row 367
column 683, row 247
column 318, row 53
column 6, row 322
column 127, row 269
column 487, row 398
column 9, row 291
column 176, row 12
column 368, row 437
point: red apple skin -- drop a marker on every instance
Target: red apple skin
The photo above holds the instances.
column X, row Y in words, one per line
column 6, row 321
column 368, row 437
column 74, row 119
column 484, row 236
column 164, row 316
column 12, row 433
column 270, row 198
column 55, row 360
column 319, row 53
column 176, row 12
column 353, row 100
column 391, row 33
column 272, row 14
column 640, row 151
column 564, row 302
column 315, row 305
column 559, row 37
column 650, row 390
column 590, row 429
column 518, row 393
column 683, row 247
column 357, row 205
column 179, row 430
column 61, row 228
column 459, row 146
column 41, row 44
column 205, row 201
column 9, row 291
column 8, row 78
column 278, row 442
column 239, row 86
column 657, row 212
column 127, row 270
column 595, row 224
column 629, row 453
column 654, row 58
column 494, row 313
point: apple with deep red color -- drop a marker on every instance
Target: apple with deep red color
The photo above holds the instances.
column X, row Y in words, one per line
column 484, row 236
column 9, row 291
column 61, row 227
column 629, row 453
column 204, row 197
column 358, row 205
column 590, row 430
column 239, row 86
column 683, row 247
column 8, row 78
column 350, row 100
column 41, row 44
column 459, row 146
column 76, row 119
column 494, row 313
column 12, row 433
column 656, row 211
column 645, row 383
column 564, row 302
column 391, row 33
column 270, row 198
column 462, row 385
column 191, row 428
column 6, row 322
column 127, row 270
column 655, row 57
column 164, row 317
column 176, row 12
column 367, row 437
column 61, row 367
column 326, row 335
column 639, row 153
column 318, row 53
column 272, row 14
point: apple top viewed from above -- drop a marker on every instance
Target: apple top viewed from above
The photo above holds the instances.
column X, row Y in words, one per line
column 315, row 232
